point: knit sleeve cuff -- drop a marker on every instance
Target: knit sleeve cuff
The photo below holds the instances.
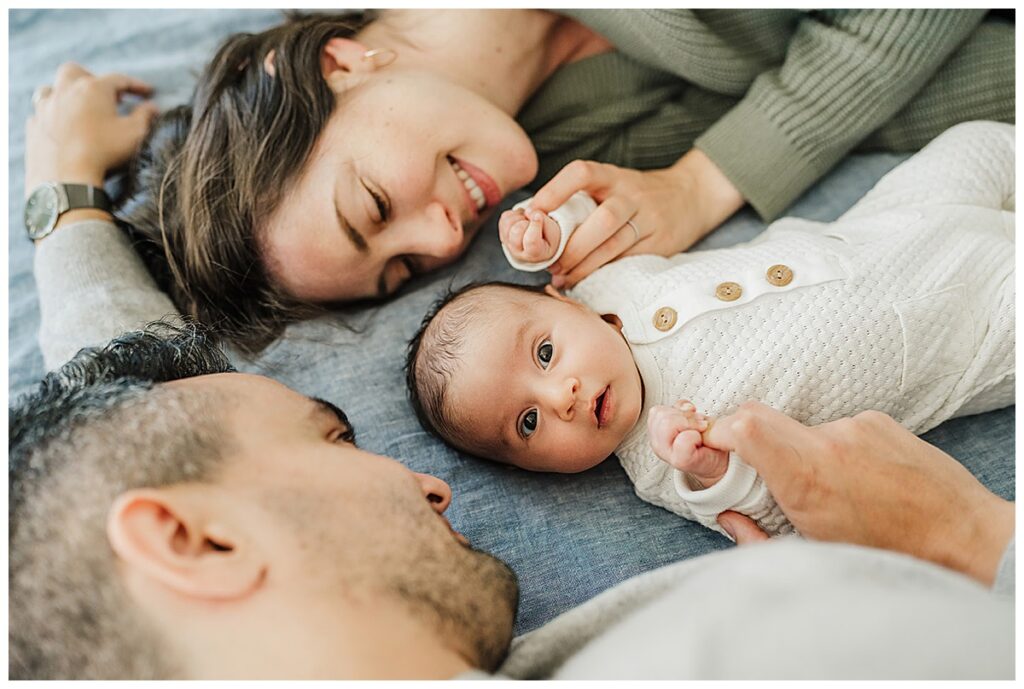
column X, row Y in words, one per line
column 569, row 216
column 759, row 159
column 734, row 486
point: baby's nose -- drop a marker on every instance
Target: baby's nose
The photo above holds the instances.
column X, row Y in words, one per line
column 565, row 399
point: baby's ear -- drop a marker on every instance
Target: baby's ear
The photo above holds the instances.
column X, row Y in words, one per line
column 552, row 292
column 612, row 320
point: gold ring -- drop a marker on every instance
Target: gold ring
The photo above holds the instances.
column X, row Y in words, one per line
column 635, row 230
column 40, row 93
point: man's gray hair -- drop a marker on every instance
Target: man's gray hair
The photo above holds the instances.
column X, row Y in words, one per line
column 95, row 428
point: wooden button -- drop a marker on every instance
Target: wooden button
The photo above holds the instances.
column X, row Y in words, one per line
column 665, row 318
column 728, row 291
column 780, row 275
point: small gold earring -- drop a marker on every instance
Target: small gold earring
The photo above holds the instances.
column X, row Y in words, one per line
column 380, row 57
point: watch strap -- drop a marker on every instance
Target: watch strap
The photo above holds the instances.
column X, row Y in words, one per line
column 85, row 196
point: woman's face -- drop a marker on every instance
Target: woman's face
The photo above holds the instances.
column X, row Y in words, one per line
column 400, row 180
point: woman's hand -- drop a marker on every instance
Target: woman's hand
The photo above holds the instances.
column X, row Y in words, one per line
column 76, row 134
column 639, row 212
column 869, row 481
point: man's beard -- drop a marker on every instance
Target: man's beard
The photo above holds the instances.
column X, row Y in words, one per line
column 469, row 596
column 472, row 598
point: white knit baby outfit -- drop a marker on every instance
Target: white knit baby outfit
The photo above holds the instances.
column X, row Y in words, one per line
column 904, row 305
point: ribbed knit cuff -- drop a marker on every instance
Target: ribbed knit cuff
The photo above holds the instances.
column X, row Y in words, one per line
column 568, row 216
column 758, row 158
column 733, row 487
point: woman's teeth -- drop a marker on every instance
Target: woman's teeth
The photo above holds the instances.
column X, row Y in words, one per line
column 474, row 191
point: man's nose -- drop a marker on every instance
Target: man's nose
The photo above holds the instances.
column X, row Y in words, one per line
column 561, row 397
column 437, row 492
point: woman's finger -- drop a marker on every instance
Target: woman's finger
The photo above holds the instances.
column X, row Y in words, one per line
column 579, row 175
column 40, row 94
column 615, row 246
column 141, row 118
column 122, row 83
column 68, row 73
column 599, row 227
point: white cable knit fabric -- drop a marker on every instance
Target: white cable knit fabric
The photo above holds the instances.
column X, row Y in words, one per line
column 904, row 305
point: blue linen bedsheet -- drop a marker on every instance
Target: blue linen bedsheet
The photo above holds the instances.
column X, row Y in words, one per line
column 568, row 537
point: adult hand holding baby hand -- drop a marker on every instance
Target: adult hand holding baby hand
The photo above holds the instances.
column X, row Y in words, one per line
column 676, row 436
column 639, row 212
column 867, row 480
column 530, row 237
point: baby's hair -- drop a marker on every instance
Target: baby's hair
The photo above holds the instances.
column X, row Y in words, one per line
column 435, row 351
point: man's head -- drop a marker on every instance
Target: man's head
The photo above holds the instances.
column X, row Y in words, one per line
column 223, row 525
column 524, row 375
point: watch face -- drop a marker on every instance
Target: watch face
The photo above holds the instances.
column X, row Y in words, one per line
column 41, row 210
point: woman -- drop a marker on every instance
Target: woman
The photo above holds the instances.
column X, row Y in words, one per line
column 329, row 160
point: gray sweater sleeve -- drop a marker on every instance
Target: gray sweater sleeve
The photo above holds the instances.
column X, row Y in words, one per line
column 92, row 286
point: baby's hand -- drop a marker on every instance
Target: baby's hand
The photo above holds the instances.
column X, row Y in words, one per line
column 530, row 238
column 676, row 437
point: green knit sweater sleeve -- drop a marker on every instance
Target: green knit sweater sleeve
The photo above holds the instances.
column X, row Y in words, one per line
column 845, row 73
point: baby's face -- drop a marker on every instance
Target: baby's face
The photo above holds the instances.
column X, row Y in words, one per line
column 546, row 384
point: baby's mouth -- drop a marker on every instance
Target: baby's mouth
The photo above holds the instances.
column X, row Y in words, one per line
column 599, row 408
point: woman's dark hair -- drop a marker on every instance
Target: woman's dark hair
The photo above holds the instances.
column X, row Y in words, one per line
column 210, row 173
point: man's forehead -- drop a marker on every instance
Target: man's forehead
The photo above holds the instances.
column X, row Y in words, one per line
column 234, row 382
column 256, row 395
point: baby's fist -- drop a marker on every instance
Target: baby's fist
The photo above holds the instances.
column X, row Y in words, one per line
column 530, row 238
column 676, row 437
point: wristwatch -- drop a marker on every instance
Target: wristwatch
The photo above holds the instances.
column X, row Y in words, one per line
column 50, row 200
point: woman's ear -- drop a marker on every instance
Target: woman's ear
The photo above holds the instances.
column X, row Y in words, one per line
column 176, row 538
column 341, row 60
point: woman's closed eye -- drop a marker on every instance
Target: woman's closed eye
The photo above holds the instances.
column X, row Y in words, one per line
column 380, row 202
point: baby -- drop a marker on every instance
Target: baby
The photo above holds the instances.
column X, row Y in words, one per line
column 904, row 305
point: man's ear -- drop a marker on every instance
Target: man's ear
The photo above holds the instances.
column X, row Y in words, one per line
column 176, row 538
column 342, row 63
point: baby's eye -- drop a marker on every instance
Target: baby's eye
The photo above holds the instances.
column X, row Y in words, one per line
column 544, row 353
column 528, row 424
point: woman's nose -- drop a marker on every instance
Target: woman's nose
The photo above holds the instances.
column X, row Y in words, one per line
column 562, row 397
column 437, row 492
column 436, row 233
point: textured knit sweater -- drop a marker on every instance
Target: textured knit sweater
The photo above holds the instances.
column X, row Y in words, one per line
column 904, row 305
column 774, row 97
column 789, row 609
